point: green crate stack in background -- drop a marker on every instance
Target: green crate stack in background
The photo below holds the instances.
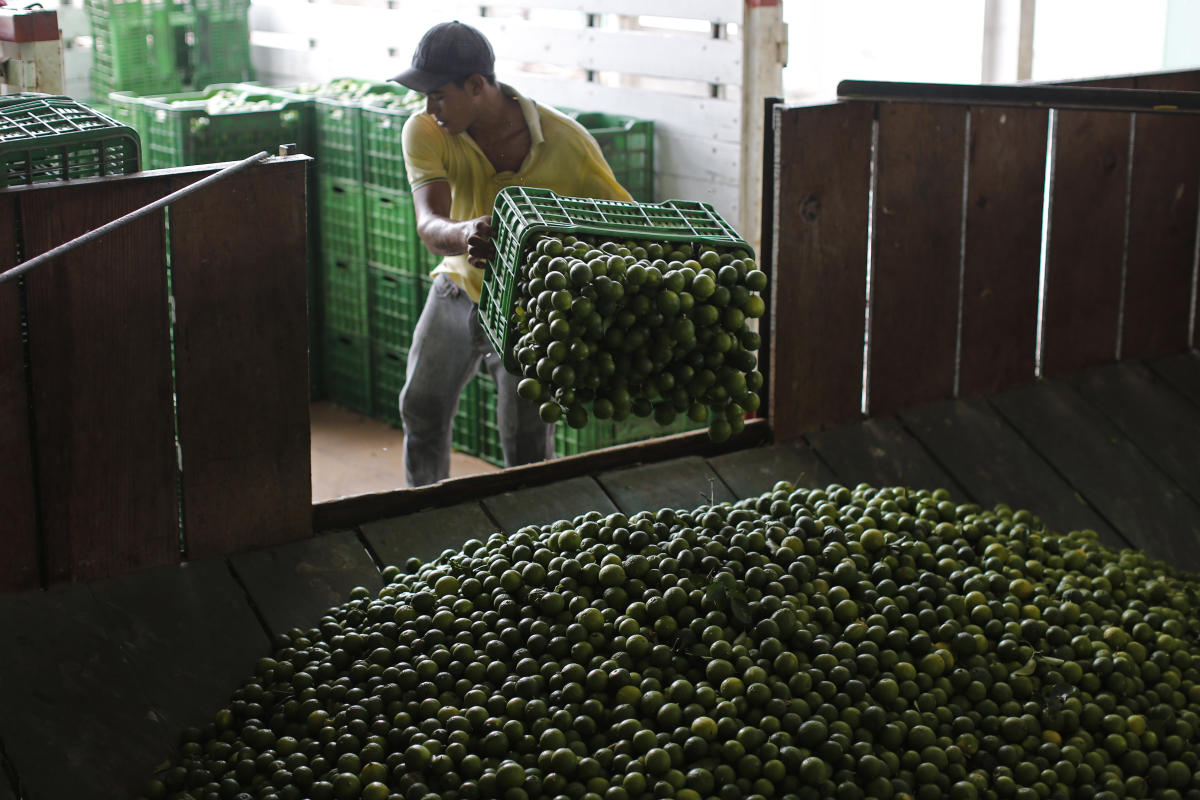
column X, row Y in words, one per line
column 628, row 147
column 220, row 52
column 132, row 48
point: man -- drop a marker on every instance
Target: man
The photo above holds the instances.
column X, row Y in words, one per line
column 476, row 137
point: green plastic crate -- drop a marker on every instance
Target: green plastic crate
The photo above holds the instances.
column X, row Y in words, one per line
column 132, row 47
column 221, row 49
column 340, row 213
column 466, row 433
column 392, row 241
column 387, row 379
column 346, row 361
column 488, row 428
column 523, row 212
column 383, row 151
column 395, row 302
column 188, row 128
column 49, row 138
column 628, row 146
column 597, row 434
column 344, row 292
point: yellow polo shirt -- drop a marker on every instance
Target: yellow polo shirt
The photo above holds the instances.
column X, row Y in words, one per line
column 563, row 157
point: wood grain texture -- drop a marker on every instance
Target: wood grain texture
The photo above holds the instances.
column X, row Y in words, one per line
column 882, row 453
column 756, row 470
column 823, row 170
column 1159, row 422
column 683, row 483
column 1180, row 81
column 995, row 464
column 918, row 237
column 1164, row 190
column 19, row 559
column 75, row 721
column 241, row 361
column 425, row 534
column 1002, row 257
column 292, row 585
column 1087, row 232
column 541, row 505
column 188, row 635
column 1146, row 507
column 101, row 372
column 1182, row 372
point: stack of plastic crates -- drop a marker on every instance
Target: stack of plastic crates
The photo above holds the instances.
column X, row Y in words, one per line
column 133, row 47
column 220, row 52
column 628, row 147
column 46, row 138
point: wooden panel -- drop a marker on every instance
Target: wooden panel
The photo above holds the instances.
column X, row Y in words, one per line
column 188, row 635
column 292, row 585
column 1182, row 81
column 1161, row 423
column 541, row 505
column 995, row 464
column 1162, row 235
column 242, row 360
column 75, row 721
column 1148, row 509
column 683, row 483
column 19, row 568
column 918, row 239
column 882, row 453
column 1182, row 372
column 1087, row 232
column 101, row 371
column 425, row 534
column 818, row 294
column 754, row 471
column 1002, row 257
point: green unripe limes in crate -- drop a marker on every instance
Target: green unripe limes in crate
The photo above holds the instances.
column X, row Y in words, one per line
column 803, row 643
column 654, row 329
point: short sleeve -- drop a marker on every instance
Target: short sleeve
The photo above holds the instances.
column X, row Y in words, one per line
column 424, row 150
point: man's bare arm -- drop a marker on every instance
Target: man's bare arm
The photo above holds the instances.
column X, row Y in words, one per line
column 446, row 236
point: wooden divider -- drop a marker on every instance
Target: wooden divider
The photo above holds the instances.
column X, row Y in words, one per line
column 1161, row 254
column 1006, row 177
column 101, row 376
column 1087, row 233
column 918, row 235
column 819, row 290
column 19, row 567
column 242, row 361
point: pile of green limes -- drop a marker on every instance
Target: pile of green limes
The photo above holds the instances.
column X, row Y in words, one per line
column 638, row 327
column 806, row 643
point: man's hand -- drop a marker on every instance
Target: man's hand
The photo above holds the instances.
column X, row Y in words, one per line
column 480, row 247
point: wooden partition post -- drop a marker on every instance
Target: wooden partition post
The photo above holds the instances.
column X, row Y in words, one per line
column 818, row 293
column 19, row 557
column 918, row 235
column 1006, row 173
column 242, row 361
column 101, row 373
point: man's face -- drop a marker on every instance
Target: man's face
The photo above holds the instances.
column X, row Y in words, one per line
column 453, row 105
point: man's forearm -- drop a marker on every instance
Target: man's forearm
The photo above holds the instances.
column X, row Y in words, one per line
column 443, row 237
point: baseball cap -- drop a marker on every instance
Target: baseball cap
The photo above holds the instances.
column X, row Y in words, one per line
column 447, row 52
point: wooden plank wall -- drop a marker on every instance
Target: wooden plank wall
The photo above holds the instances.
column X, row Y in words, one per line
column 948, row 297
column 91, row 473
column 687, row 82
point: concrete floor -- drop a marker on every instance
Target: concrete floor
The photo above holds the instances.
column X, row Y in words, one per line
column 352, row 455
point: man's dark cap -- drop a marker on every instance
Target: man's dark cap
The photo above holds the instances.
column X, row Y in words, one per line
column 449, row 51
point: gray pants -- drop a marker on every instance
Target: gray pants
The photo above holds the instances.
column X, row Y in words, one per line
column 447, row 347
